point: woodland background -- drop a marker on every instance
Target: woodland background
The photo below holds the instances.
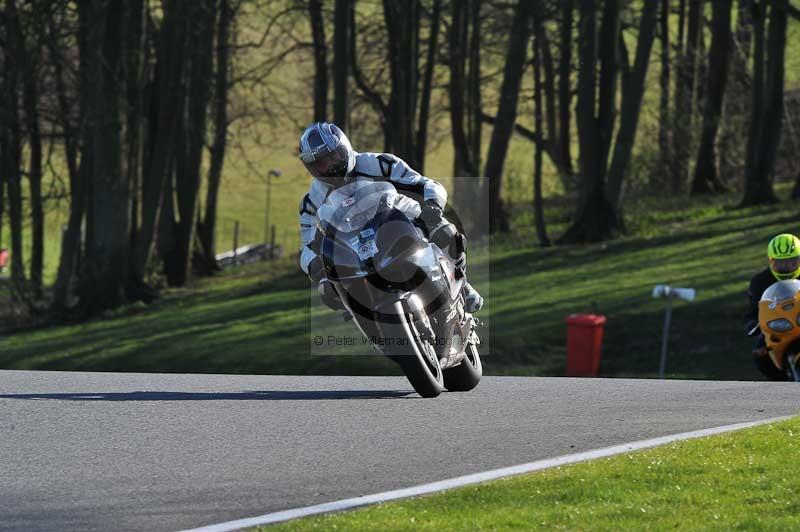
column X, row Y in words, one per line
column 133, row 133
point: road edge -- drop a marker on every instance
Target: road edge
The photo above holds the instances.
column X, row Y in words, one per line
column 475, row 478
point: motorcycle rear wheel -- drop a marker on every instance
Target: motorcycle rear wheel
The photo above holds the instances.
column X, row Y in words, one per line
column 467, row 374
column 415, row 355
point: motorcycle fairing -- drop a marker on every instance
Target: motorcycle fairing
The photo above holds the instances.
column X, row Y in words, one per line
column 781, row 301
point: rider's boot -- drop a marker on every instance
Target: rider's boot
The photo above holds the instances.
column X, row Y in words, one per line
column 446, row 236
column 473, row 301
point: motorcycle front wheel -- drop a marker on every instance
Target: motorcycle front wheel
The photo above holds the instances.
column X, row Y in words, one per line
column 467, row 374
column 415, row 355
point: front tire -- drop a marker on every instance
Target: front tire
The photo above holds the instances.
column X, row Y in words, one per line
column 416, row 356
column 467, row 374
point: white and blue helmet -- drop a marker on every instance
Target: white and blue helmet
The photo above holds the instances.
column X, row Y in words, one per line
column 326, row 152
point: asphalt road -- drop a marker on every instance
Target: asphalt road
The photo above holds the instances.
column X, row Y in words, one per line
column 111, row 451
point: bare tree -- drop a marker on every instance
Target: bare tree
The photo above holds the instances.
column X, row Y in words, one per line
column 191, row 139
column 206, row 260
column 733, row 127
column 320, row 60
column 705, row 178
column 596, row 217
column 343, row 15
column 421, row 141
column 538, row 209
column 172, row 45
column 767, row 108
column 683, row 110
column 633, row 87
column 664, row 122
column 519, row 38
column 464, row 89
column 105, row 274
column 564, row 87
column 11, row 136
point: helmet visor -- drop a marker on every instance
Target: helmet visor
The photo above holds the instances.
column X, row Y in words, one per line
column 785, row 266
column 329, row 166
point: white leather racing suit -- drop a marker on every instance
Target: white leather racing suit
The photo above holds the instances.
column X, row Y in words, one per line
column 380, row 167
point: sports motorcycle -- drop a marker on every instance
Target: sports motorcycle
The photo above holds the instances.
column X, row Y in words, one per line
column 402, row 291
column 779, row 321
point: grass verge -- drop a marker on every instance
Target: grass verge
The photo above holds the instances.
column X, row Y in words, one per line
column 743, row 480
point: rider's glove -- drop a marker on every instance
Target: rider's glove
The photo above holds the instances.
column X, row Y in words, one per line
column 431, row 215
column 316, row 270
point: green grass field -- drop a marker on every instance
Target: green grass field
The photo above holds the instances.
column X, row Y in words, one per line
column 744, row 480
column 257, row 319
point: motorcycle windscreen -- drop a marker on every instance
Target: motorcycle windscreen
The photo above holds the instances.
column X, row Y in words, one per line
column 400, row 250
column 406, row 262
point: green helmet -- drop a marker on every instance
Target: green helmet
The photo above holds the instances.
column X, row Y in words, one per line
column 784, row 257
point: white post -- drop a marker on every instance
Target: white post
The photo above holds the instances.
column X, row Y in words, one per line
column 669, row 293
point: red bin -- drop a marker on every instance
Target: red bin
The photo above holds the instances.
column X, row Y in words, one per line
column 584, row 344
column 3, row 258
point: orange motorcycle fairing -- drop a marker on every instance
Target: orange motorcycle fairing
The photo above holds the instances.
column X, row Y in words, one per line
column 779, row 320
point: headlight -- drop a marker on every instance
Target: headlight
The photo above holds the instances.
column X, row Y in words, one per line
column 781, row 325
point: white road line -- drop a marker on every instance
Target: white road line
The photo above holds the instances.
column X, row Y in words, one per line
column 424, row 489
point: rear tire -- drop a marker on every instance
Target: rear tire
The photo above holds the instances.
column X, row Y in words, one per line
column 467, row 374
column 417, row 358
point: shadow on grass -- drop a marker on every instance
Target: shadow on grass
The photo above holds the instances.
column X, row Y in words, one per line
column 278, row 395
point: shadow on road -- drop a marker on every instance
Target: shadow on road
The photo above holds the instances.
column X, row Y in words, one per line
column 282, row 395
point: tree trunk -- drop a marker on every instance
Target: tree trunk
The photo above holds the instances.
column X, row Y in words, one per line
column 664, row 124
column 685, row 98
column 136, row 66
column 320, row 60
column 538, row 212
column 506, row 114
column 676, row 167
column 206, row 231
column 402, row 22
column 341, row 60
column 595, row 218
column 632, row 93
column 29, row 57
column 191, row 144
column 548, row 87
column 462, row 91
column 71, row 239
column 11, row 140
column 168, row 89
column 474, row 101
column 565, row 94
column 105, row 274
column 768, row 103
column 705, row 178
column 733, row 130
column 427, row 84
column 457, row 39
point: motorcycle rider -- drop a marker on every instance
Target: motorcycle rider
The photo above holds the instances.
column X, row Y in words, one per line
column 330, row 159
column 783, row 253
